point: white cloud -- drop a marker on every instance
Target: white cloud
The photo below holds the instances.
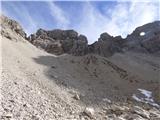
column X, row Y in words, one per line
column 92, row 23
column 58, row 14
column 124, row 18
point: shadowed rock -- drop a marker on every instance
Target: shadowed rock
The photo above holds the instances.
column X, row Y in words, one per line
column 80, row 46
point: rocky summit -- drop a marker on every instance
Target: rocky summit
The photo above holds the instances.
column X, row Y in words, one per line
column 57, row 75
column 60, row 41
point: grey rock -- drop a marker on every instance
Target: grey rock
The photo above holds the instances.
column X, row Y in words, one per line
column 7, row 115
column 13, row 25
column 143, row 113
column 105, row 37
column 77, row 97
column 148, row 42
column 152, row 45
column 89, row 112
column 80, row 46
column 106, row 45
column 132, row 117
column 67, row 41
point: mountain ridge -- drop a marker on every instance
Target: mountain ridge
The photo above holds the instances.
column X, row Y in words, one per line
column 106, row 45
column 59, row 41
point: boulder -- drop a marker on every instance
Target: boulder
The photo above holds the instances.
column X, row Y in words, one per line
column 89, row 111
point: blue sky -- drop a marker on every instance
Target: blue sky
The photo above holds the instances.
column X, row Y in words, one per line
column 91, row 18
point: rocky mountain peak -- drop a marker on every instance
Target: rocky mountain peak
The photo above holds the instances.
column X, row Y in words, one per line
column 105, row 36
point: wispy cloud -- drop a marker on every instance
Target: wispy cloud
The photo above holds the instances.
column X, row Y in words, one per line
column 22, row 14
column 119, row 19
column 92, row 23
column 124, row 18
column 58, row 14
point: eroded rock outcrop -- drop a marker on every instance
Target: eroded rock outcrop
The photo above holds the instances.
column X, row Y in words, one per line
column 80, row 46
column 145, row 38
column 13, row 25
column 107, row 45
column 103, row 45
column 60, row 41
